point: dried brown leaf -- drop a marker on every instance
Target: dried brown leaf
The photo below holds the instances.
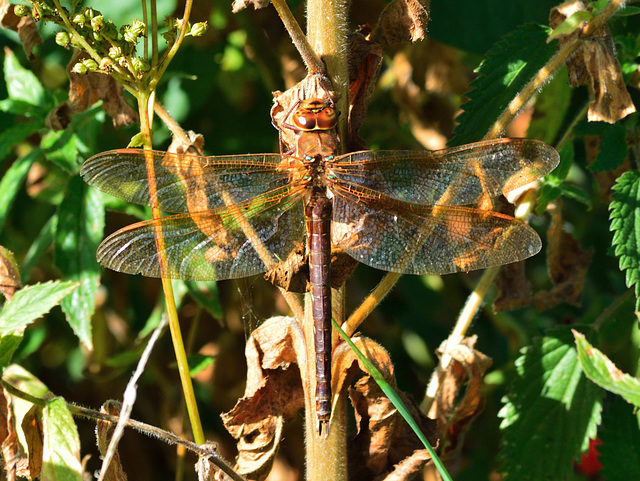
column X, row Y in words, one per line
column 272, row 395
column 383, row 437
column 402, row 21
column 595, row 65
column 9, row 274
column 242, row 4
column 364, row 61
column 8, row 437
column 84, row 91
column 514, row 289
column 25, row 26
column 313, row 86
column 205, row 469
column 459, row 399
column 104, row 431
column 409, row 467
column 568, row 264
column 34, row 437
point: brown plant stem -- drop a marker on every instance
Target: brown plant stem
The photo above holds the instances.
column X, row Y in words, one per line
column 166, row 436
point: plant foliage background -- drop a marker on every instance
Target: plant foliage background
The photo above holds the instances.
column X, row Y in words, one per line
column 540, row 409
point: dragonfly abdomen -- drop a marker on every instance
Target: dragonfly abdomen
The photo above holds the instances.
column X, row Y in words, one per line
column 318, row 215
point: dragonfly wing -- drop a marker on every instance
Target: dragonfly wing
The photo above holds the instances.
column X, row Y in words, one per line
column 209, row 245
column 415, row 239
column 455, row 176
column 186, row 182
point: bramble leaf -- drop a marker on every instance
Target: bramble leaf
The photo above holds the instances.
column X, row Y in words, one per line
column 509, row 66
column 625, row 224
column 550, row 412
column 61, row 450
column 599, row 369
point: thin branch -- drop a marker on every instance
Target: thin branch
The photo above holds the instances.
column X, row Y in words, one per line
column 166, row 436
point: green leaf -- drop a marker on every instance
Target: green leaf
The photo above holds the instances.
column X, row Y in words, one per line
column 604, row 373
column 198, row 363
column 61, row 148
column 550, row 412
column 22, row 84
column 509, row 66
column 27, row 305
column 613, row 147
column 79, row 231
column 14, row 134
column 570, row 24
column 32, row 302
column 625, row 224
column 61, row 449
column 620, row 436
column 40, row 245
column 12, row 181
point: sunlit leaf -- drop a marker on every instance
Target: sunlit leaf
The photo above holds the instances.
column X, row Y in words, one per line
column 32, row 302
column 625, row 224
column 509, row 66
column 550, row 413
column 61, row 451
column 604, row 373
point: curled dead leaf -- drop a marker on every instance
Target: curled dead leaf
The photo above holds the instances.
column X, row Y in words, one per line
column 383, row 438
column 104, row 431
column 273, row 394
column 242, row 4
column 459, row 397
column 568, row 264
column 594, row 64
column 313, row 86
column 364, row 61
column 514, row 289
column 402, row 21
column 25, row 26
column 8, row 436
column 9, row 274
column 34, row 437
column 87, row 89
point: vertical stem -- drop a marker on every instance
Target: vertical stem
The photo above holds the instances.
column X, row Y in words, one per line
column 145, row 108
column 326, row 31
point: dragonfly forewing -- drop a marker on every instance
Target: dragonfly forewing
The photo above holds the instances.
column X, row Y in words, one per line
column 415, row 239
column 210, row 245
column 187, row 182
column 455, row 176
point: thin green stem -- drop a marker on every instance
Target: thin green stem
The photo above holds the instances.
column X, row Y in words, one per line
column 168, row 56
column 144, row 102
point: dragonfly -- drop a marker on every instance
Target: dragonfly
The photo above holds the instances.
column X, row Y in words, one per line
column 409, row 212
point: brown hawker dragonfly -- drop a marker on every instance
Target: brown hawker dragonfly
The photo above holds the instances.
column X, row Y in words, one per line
column 400, row 211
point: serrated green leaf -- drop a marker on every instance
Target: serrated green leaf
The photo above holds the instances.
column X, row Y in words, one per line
column 21, row 83
column 604, row 373
column 613, row 148
column 625, row 224
column 509, row 66
column 32, row 302
column 12, row 181
column 8, row 345
column 61, row 447
column 78, row 233
column 620, row 448
column 61, row 148
column 550, row 412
